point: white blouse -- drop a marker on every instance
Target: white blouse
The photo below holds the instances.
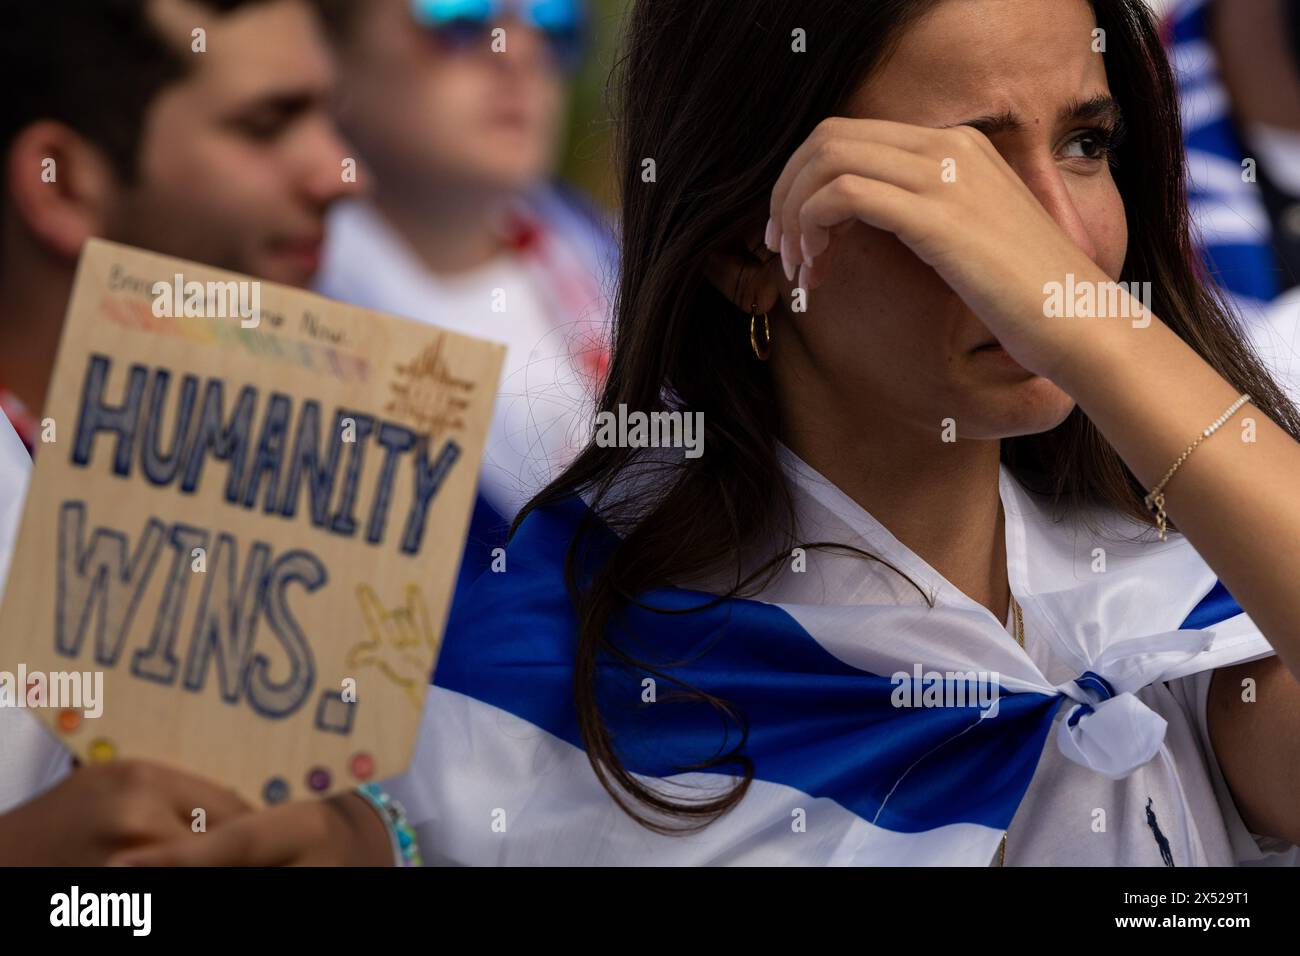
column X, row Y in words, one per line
column 1070, row 816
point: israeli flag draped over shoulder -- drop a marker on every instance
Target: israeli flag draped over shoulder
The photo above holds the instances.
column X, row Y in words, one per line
column 818, row 671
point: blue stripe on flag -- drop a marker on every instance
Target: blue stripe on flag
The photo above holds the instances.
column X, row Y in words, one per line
column 1215, row 608
column 814, row 723
column 487, row 530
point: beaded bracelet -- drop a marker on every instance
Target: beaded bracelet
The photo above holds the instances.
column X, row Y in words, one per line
column 1155, row 499
column 406, row 850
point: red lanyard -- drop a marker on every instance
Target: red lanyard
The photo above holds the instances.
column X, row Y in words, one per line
column 573, row 294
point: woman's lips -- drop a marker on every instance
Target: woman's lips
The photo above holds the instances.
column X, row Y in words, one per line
column 304, row 254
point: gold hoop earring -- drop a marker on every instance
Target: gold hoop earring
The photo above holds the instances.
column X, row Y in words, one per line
column 766, row 349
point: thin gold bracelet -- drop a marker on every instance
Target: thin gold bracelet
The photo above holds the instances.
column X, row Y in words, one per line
column 1155, row 500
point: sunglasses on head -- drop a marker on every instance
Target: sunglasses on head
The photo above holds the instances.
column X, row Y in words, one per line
column 464, row 22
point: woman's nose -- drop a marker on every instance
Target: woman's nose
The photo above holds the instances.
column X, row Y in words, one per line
column 1045, row 181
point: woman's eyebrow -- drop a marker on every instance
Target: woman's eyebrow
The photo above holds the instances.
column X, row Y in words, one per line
column 1102, row 106
column 992, row 124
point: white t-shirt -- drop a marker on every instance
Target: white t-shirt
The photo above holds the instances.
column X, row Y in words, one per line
column 1073, row 817
column 1070, row 815
column 31, row 760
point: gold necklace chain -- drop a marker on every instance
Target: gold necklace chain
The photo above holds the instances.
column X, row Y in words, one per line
column 1018, row 622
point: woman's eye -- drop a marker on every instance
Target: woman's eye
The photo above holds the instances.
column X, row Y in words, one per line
column 1093, row 145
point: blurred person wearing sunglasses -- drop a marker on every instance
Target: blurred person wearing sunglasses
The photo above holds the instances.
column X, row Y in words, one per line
column 227, row 155
column 457, row 108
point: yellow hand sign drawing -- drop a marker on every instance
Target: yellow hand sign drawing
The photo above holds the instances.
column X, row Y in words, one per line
column 400, row 641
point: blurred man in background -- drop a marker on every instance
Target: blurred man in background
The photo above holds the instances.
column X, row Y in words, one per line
column 196, row 128
column 457, row 109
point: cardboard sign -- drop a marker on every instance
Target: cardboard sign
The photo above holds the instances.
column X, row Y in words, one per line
column 247, row 513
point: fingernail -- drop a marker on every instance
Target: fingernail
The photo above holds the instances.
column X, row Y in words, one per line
column 803, row 247
column 803, row 278
column 770, row 237
column 787, row 258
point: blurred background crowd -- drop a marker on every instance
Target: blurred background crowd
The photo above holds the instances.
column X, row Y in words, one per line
column 448, row 160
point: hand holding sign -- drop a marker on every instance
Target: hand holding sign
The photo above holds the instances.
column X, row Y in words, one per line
column 340, row 831
column 107, row 809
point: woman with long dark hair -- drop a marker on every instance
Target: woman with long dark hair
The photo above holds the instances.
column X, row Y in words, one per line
column 989, row 551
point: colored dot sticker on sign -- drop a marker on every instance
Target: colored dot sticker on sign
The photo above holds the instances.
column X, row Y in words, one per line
column 275, row 791
column 101, row 751
column 363, row 766
column 69, row 720
column 319, row 779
